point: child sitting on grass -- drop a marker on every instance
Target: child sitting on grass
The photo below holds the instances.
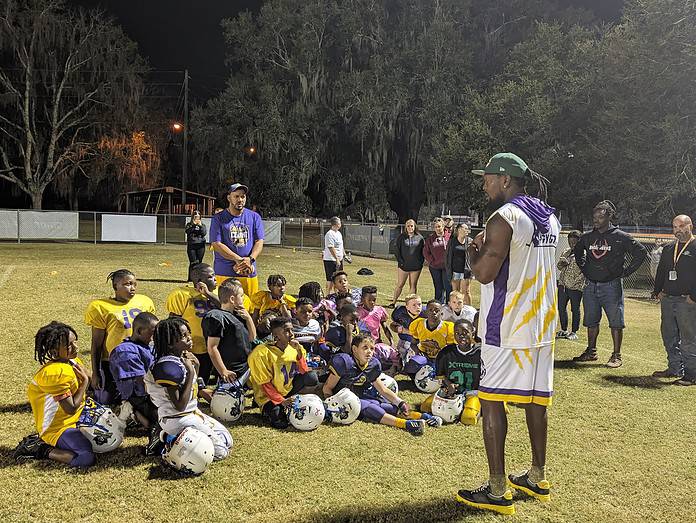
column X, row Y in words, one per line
column 129, row 362
column 172, row 386
column 456, row 309
column 274, row 298
column 57, row 396
column 359, row 372
column 279, row 371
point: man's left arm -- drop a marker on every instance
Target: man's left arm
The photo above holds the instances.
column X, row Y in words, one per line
column 637, row 254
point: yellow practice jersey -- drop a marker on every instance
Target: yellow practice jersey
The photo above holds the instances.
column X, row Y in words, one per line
column 51, row 383
column 116, row 318
column 443, row 334
column 262, row 301
column 269, row 364
column 191, row 305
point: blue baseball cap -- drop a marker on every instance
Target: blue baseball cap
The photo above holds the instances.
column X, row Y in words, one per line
column 237, row 187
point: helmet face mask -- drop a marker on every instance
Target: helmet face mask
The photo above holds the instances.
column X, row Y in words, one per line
column 343, row 407
column 307, row 412
column 101, row 427
column 190, row 453
column 426, row 381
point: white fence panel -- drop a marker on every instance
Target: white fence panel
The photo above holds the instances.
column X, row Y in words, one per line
column 41, row 225
column 129, row 228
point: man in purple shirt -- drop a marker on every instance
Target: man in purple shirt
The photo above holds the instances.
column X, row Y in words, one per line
column 236, row 235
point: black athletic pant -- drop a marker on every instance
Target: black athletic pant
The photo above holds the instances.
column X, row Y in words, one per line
column 195, row 252
column 566, row 295
column 277, row 415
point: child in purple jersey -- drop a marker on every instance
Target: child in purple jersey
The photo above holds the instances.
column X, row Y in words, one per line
column 402, row 317
column 359, row 372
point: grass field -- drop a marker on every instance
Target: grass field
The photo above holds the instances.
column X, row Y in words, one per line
column 621, row 445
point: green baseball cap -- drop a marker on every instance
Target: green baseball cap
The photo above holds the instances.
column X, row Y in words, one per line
column 504, row 163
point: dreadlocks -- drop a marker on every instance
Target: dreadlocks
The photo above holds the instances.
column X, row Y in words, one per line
column 541, row 182
column 49, row 339
column 167, row 333
column 119, row 275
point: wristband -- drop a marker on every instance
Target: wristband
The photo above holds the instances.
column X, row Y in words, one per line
column 401, row 405
column 252, row 259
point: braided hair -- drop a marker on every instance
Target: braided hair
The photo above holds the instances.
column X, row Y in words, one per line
column 167, row 333
column 311, row 290
column 534, row 178
column 118, row 275
column 49, row 339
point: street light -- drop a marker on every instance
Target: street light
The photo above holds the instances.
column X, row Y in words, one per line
column 177, row 126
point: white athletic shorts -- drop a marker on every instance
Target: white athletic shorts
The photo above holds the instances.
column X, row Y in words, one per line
column 517, row 375
column 216, row 431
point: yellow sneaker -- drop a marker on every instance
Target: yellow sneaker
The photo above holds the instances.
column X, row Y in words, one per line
column 540, row 491
column 482, row 498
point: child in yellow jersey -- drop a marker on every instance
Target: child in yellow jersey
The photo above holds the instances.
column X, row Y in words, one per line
column 278, row 372
column 57, row 397
column 274, row 298
column 192, row 303
column 111, row 320
column 430, row 336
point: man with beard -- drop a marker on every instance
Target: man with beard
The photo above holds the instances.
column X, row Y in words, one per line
column 675, row 287
column 514, row 259
column 236, row 235
column 605, row 255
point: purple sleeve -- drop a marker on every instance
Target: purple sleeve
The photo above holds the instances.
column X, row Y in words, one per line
column 258, row 228
column 168, row 373
column 126, row 364
column 340, row 363
column 215, row 229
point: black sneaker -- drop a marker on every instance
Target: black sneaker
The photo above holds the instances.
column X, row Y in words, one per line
column 685, row 382
column 155, row 445
column 31, row 447
column 539, row 490
column 588, row 355
column 482, row 498
column 666, row 374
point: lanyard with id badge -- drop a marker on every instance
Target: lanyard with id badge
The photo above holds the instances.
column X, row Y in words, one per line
column 673, row 273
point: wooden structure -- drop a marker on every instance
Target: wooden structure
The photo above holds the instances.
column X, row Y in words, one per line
column 165, row 200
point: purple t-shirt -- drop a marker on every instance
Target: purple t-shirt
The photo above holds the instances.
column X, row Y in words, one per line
column 239, row 233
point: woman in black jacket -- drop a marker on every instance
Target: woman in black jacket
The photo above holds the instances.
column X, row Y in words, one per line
column 195, row 240
column 457, row 261
column 409, row 257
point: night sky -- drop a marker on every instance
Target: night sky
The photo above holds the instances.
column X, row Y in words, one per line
column 181, row 34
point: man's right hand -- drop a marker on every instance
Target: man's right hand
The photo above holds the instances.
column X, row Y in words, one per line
column 95, row 381
column 228, row 376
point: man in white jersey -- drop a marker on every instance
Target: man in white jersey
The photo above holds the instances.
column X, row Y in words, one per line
column 514, row 259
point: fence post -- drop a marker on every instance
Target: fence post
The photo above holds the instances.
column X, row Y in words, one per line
column 371, row 231
column 301, row 233
column 19, row 238
column 165, row 229
column 95, row 228
column 282, row 233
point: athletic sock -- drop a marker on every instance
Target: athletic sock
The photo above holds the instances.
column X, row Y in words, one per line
column 400, row 423
column 537, row 474
column 498, row 484
column 417, row 415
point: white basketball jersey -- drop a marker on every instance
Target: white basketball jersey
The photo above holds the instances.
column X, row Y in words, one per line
column 518, row 308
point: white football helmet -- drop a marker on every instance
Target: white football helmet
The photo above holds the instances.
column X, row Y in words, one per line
column 449, row 409
column 344, row 407
column 227, row 403
column 389, row 382
column 307, row 412
column 101, row 427
column 191, row 452
column 425, row 379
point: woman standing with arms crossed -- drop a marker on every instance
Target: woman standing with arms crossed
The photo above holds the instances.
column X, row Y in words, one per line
column 409, row 257
column 457, row 261
column 434, row 251
column 195, row 240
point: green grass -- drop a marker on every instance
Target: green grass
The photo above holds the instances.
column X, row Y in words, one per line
column 621, row 446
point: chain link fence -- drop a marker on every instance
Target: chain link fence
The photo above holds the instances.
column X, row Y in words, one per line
column 301, row 233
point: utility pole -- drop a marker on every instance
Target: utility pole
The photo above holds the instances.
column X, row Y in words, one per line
column 186, row 124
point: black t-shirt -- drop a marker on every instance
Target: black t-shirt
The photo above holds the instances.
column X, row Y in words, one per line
column 234, row 338
column 409, row 252
column 685, row 284
column 459, row 257
column 461, row 368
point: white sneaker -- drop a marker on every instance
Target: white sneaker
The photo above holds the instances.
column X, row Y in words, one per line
column 572, row 336
column 561, row 334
